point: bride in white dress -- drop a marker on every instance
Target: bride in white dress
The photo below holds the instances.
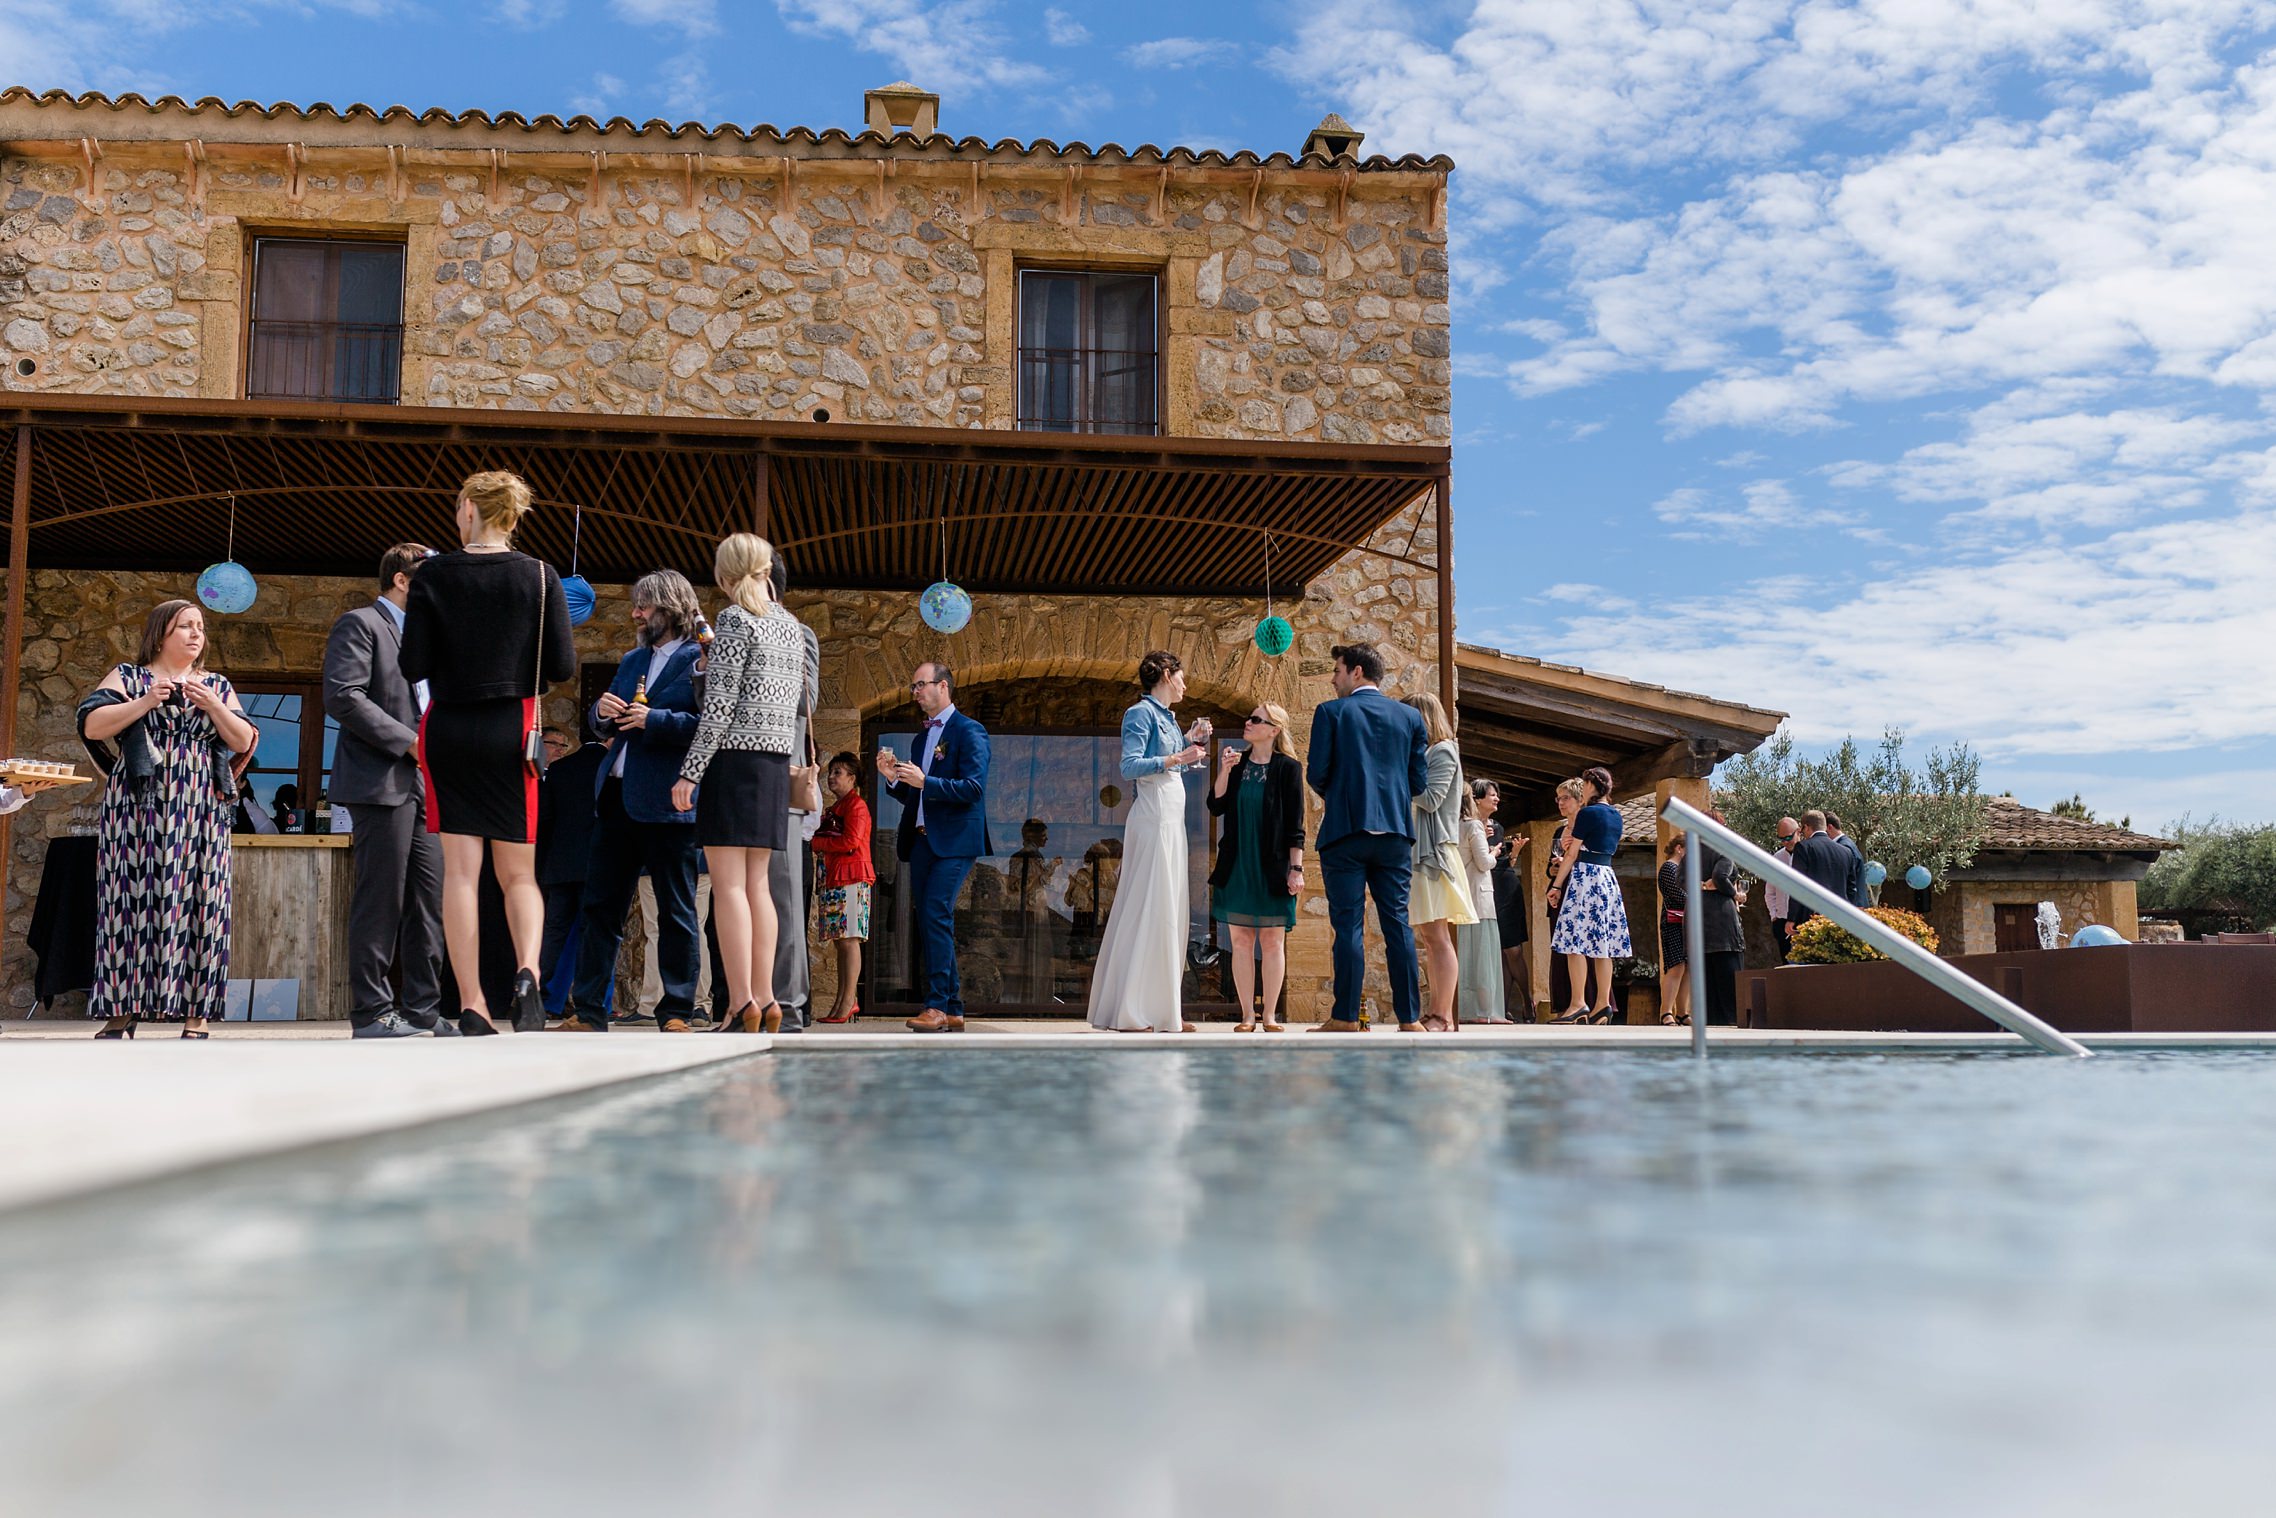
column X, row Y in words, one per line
column 1136, row 986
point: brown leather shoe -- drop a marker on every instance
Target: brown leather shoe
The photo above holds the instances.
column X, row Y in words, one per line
column 933, row 1020
column 674, row 1025
column 1336, row 1025
column 575, row 1025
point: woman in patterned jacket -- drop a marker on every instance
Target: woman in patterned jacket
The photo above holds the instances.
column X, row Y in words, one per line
column 736, row 776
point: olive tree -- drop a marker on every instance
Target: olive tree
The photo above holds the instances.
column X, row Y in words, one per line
column 1902, row 817
column 2220, row 867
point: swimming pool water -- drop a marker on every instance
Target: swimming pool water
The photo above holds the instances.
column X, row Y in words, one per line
column 1130, row 1282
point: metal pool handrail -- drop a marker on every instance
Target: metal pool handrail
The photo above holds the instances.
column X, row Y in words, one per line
column 1765, row 865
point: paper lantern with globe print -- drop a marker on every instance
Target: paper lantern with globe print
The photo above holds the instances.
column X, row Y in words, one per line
column 2096, row 935
column 1274, row 637
column 1918, row 877
column 1875, row 872
column 945, row 607
column 227, row 588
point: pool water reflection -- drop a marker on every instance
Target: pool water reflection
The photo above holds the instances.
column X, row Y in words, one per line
column 1167, row 1283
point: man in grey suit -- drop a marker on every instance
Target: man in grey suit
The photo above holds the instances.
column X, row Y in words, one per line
column 394, row 914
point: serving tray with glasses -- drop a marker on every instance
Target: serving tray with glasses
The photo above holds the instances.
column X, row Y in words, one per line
column 34, row 775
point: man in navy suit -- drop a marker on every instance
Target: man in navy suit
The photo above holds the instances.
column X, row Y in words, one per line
column 944, row 828
column 649, row 717
column 1369, row 761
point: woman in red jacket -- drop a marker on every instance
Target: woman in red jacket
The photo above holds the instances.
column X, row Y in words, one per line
column 847, row 876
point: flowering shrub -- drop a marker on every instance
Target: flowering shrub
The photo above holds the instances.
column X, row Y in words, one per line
column 1822, row 941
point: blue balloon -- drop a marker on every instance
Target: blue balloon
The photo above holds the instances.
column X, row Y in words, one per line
column 579, row 593
column 226, row 587
column 2095, row 935
column 1875, row 872
column 1918, row 877
column 945, row 607
column 1274, row 636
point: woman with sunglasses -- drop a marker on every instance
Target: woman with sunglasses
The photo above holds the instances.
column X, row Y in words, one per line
column 1260, row 858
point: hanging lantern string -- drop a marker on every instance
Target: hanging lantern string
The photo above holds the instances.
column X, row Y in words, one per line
column 1268, row 573
column 940, row 519
column 576, row 535
column 231, row 555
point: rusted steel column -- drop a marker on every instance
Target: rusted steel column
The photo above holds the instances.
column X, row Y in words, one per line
column 1443, row 492
column 12, row 632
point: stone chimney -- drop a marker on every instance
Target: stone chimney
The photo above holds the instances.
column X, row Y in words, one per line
column 901, row 107
column 1334, row 138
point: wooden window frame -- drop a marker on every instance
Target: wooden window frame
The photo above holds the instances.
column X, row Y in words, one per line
column 1093, row 270
column 255, row 235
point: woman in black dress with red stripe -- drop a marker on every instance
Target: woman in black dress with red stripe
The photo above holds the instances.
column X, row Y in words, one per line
column 488, row 629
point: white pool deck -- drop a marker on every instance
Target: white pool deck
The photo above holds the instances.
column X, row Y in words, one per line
column 77, row 1115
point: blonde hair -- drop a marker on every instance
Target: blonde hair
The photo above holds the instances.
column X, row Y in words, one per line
column 744, row 568
column 1435, row 726
column 500, row 498
column 1284, row 739
column 1575, row 789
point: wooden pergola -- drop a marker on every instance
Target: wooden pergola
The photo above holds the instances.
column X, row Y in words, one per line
column 1527, row 724
column 149, row 483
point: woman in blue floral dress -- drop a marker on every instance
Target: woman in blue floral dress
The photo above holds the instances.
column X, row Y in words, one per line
column 1592, row 918
column 162, row 849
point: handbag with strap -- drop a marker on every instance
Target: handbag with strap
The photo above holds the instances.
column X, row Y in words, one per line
column 806, row 779
column 533, row 741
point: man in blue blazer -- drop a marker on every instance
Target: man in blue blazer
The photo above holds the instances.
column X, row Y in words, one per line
column 944, row 828
column 648, row 717
column 1369, row 761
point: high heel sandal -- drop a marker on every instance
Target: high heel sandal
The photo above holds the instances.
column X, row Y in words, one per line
column 733, row 1021
column 1574, row 1015
column 116, row 1028
column 770, row 1021
column 472, row 1024
column 852, row 1012
column 1600, row 1015
column 189, row 1032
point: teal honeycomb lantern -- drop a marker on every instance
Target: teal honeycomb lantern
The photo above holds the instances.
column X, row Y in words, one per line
column 1274, row 637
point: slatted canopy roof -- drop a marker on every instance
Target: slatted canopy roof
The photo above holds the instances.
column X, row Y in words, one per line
column 1527, row 724
column 151, row 483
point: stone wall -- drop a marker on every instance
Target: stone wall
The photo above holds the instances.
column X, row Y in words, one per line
column 624, row 294
column 1290, row 311
column 2109, row 902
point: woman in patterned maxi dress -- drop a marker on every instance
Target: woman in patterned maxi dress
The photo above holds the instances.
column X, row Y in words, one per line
column 162, row 850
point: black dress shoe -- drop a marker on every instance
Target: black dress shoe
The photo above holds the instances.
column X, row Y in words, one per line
column 386, row 1025
column 529, row 1004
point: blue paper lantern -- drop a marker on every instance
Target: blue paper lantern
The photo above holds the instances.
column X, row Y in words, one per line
column 1274, row 636
column 2096, row 935
column 226, row 587
column 1918, row 877
column 578, row 592
column 1875, row 872
column 945, row 607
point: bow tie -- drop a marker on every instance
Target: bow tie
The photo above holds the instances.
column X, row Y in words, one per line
column 935, row 722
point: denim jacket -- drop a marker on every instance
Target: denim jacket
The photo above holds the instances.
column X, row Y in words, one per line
column 1150, row 738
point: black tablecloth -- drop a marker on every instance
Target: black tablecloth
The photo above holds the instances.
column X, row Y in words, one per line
column 62, row 933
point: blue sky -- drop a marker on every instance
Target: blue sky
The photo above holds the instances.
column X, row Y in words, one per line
column 1892, row 363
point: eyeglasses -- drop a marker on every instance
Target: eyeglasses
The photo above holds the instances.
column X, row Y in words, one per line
column 921, row 684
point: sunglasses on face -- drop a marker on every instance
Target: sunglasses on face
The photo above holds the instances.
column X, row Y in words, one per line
column 1254, row 720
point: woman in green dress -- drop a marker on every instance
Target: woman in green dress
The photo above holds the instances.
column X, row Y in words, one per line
column 1259, row 799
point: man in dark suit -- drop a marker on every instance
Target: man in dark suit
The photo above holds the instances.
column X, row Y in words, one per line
column 1823, row 861
column 1369, row 760
column 564, row 847
column 1854, row 890
column 944, row 828
column 649, row 716
column 395, row 911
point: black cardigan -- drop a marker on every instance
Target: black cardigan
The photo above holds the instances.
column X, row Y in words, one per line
column 470, row 629
column 1283, row 821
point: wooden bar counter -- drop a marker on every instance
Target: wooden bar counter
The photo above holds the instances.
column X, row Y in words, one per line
column 289, row 915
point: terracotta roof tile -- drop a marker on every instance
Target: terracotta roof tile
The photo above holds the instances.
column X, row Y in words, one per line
column 618, row 128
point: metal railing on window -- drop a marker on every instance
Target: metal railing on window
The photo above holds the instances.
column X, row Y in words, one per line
column 325, row 361
column 1100, row 390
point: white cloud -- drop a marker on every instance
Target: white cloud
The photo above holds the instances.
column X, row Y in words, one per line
column 695, row 18
column 2154, row 638
column 529, row 13
column 1764, row 507
column 686, row 83
column 950, row 45
column 601, row 98
column 1177, row 52
column 1063, row 30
